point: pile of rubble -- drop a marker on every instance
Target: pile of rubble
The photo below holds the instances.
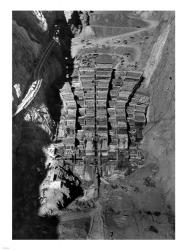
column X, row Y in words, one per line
column 60, row 186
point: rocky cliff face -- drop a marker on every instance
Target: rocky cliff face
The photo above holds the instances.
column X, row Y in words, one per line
column 34, row 127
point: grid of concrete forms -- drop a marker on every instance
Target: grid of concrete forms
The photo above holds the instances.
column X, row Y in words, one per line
column 104, row 64
column 102, row 118
column 136, row 117
column 91, row 91
column 123, row 87
column 86, row 120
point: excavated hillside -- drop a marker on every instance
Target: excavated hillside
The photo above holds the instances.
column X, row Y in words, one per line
column 61, row 195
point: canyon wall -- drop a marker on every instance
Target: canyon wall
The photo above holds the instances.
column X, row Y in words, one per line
column 33, row 128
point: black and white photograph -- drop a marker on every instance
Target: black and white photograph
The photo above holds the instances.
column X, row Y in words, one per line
column 93, row 125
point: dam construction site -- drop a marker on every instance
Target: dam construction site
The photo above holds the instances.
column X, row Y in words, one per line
column 93, row 125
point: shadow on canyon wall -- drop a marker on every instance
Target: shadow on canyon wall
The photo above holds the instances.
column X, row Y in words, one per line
column 53, row 100
column 28, row 157
column 28, row 173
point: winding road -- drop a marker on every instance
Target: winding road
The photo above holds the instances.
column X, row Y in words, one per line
column 152, row 24
column 76, row 46
column 35, row 86
column 155, row 55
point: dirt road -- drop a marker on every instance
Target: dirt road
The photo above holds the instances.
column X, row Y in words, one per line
column 155, row 56
column 77, row 45
column 152, row 24
column 35, row 86
column 96, row 231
